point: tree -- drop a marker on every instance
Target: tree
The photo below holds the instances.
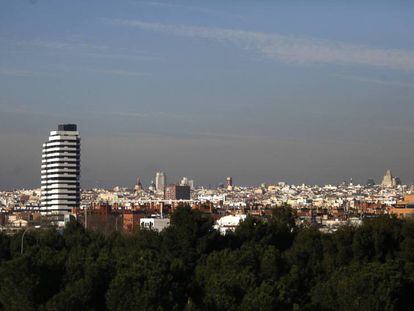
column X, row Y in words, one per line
column 18, row 285
column 377, row 239
column 145, row 285
column 5, row 253
column 407, row 244
column 374, row 286
column 225, row 277
column 284, row 217
column 264, row 297
column 305, row 258
column 267, row 264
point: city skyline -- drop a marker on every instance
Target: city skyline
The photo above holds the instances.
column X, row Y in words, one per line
column 206, row 155
column 263, row 92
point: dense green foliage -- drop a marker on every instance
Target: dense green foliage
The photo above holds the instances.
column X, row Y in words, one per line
column 264, row 265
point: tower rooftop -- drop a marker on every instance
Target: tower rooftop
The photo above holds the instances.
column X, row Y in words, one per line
column 67, row 127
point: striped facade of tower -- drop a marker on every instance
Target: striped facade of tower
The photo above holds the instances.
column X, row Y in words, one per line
column 60, row 191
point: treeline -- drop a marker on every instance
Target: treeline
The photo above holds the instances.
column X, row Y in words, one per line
column 264, row 265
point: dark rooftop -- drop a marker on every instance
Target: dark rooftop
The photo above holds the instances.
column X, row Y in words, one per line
column 67, row 127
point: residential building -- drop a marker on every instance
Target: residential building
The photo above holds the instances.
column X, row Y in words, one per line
column 176, row 192
column 60, row 174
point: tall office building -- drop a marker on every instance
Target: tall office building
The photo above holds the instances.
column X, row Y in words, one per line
column 61, row 171
column 187, row 182
column 191, row 184
column 160, row 182
column 176, row 192
column 184, row 181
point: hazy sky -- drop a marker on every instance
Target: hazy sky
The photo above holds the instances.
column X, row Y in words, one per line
column 264, row 91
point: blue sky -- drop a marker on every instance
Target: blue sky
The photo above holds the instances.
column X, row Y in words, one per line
column 260, row 90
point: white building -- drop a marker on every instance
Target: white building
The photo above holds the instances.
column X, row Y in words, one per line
column 187, row 182
column 228, row 223
column 184, row 181
column 60, row 175
column 157, row 224
column 160, row 182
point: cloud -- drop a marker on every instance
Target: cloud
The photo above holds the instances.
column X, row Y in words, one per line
column 135, row 56
column 288, row 48
column 80, row 49
column 19, row 109
column 29, row 73
column 120, row 72
column 62, row 45
column 15, row 72
column 178, row 6
column 25, row 73
column 375, row 81
column 195, row 9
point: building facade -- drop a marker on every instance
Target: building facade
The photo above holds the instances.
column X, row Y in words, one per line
column 160, row 182
column 389, row 180
column 60, row 175
column 156, row 224
column 175, row 192
column 229, row 182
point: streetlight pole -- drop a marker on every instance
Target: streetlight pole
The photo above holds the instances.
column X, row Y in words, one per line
column 24, row 232
column 86, row 217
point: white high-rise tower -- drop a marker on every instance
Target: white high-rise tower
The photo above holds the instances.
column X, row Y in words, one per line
column 60, row 191
column 160, row 182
